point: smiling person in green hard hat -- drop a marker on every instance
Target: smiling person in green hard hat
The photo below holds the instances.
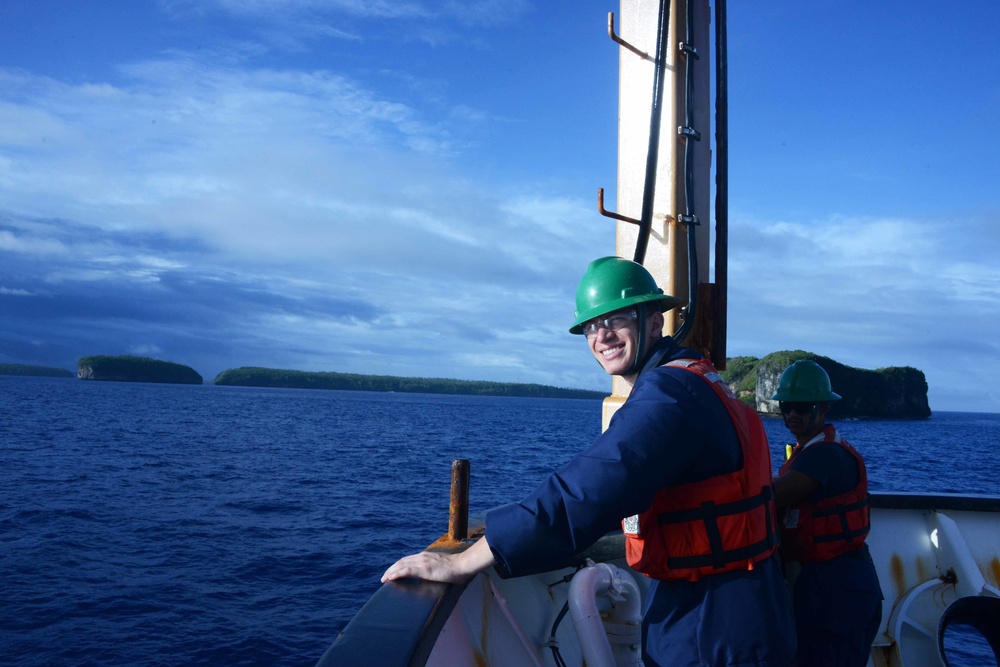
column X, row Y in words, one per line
column 688, row 465
column 822, row 497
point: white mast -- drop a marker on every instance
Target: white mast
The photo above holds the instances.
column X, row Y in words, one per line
column 666, row 253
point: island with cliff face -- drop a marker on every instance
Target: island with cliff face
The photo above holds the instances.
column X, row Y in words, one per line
column 897, row 392
column 135, row 369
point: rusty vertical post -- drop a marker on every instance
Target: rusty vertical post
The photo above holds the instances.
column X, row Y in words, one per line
column 458, row 511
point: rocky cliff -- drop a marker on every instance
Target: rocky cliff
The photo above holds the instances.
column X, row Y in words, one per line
column 898, row 392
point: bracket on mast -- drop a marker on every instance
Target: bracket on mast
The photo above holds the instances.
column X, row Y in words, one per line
column 608, row 214
column 689, row 132
column 616, row 38
column 688, row 49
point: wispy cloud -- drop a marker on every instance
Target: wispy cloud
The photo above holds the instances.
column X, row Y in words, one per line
column 189, row 205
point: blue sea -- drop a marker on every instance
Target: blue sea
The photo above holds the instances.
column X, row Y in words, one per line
column 145, row 524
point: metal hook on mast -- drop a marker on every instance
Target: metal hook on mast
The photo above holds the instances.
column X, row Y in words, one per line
column 616, row 38
column 608, row 214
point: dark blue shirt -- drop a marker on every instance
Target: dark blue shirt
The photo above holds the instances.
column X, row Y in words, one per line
column 830, row 466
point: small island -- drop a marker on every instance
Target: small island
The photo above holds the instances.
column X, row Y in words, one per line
column 28, row 370
column 896, row 392
column 249, row 376
column 135, row 369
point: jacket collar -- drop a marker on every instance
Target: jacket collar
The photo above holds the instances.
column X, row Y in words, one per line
column 665, row 351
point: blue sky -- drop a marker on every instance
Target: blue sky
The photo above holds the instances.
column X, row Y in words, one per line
column 408, row 188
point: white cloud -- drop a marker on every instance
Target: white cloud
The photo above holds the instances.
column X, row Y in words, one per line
column 145, row 350
column 340, row 212
column 18, row 243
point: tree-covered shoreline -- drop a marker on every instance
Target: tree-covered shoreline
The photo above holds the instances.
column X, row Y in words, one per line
column 29, row 370
column 252, row 376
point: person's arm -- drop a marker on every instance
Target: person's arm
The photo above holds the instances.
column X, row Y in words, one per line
column 436, row 566
column 792, row 488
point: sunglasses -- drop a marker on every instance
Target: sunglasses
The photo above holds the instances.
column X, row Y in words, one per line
column 794, row 406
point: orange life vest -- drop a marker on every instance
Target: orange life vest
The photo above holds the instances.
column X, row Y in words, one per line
column 716, row 525
column 820, row 531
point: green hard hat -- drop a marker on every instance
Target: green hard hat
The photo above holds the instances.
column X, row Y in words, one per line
column 805, row 381
column 612, row 283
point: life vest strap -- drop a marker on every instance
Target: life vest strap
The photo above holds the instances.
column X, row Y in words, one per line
column 722, row 558
column 840, row 509
column 709, row 513
column 710, row 510
column 846, row 536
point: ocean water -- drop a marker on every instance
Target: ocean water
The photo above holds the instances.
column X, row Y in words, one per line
column 145, row 524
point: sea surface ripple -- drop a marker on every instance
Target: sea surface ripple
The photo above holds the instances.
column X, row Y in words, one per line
column 145, row 524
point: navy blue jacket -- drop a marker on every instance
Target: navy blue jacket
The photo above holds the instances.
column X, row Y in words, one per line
column 671, row 430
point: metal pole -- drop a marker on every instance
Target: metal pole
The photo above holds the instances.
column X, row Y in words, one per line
column 458, row 510
column 721, row 186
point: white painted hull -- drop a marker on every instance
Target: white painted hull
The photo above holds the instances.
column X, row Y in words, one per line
column 926, row 559
column 930, row 552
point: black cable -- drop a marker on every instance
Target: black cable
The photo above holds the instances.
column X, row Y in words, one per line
column 691, row 135
column 721, row 184
column 649, row 188
column 552, row 636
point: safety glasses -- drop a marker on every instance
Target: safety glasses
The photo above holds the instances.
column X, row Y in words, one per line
column 612, row 322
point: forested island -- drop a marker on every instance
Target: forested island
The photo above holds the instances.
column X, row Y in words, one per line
column 271, row 377
column 896, row 392
column 135, row 369
column 35, row 371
